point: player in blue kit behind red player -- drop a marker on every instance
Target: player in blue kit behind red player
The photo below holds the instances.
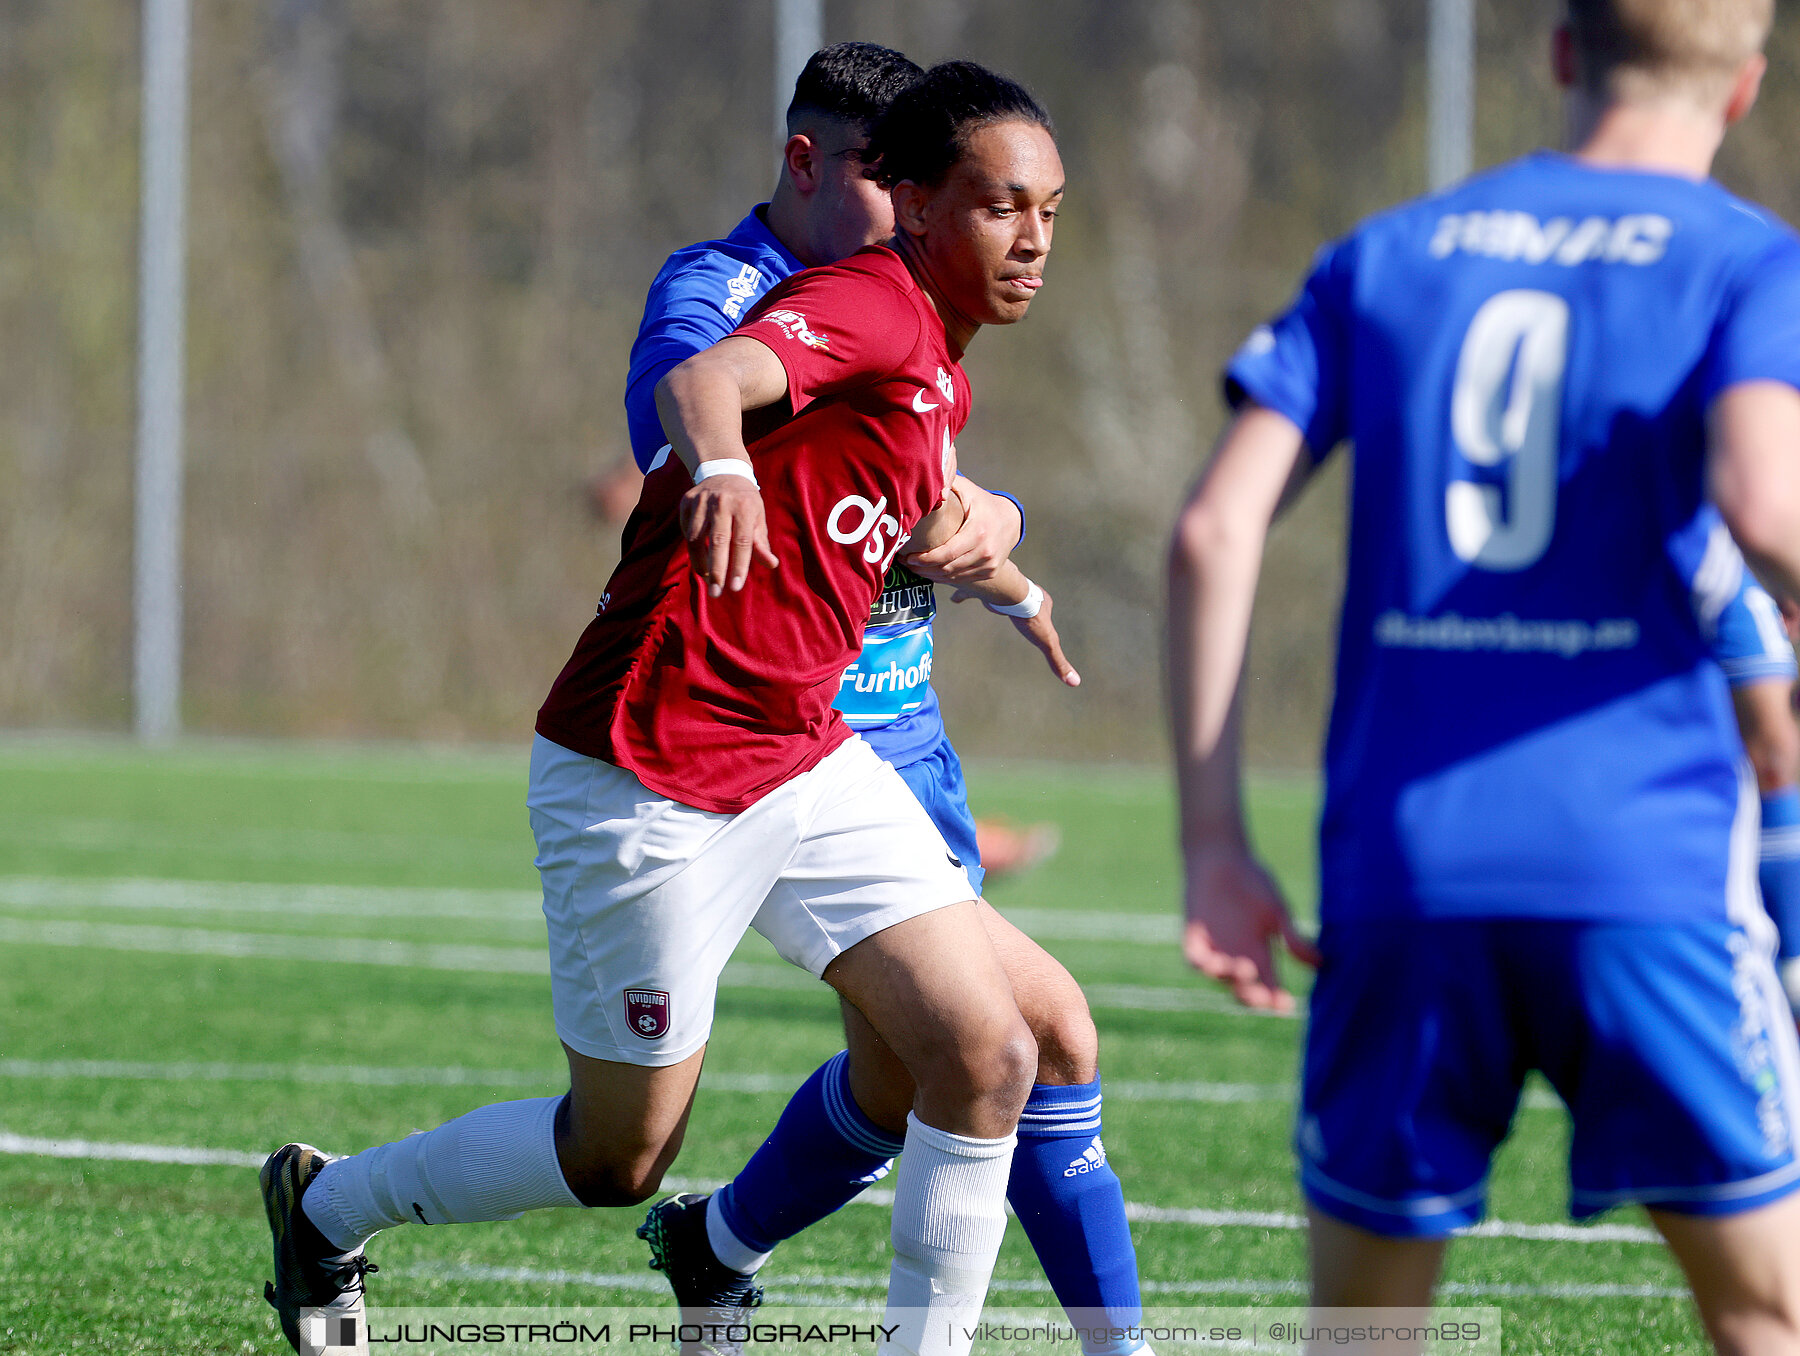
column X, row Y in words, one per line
column 1538, row 845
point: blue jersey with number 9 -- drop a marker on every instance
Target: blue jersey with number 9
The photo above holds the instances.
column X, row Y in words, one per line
column 1527, row 721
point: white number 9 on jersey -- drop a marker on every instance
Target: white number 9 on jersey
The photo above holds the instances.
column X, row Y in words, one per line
column 1506, row 407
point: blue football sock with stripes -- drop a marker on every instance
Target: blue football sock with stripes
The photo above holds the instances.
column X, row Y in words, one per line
column 1073, row 1210
column 1780, row 869
column 823, row 1152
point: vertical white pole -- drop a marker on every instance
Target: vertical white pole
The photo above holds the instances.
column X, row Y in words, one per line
column 799, row 32
column 161, row 332
column 1450, row 151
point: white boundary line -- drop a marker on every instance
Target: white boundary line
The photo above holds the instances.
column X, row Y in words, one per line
column 803, row 1286
column 516, row 960
column 1144, row 1214
column 400, row 901
column 359, row 1075
column 127, row 1153
column 300, row 901
column 453, row 1076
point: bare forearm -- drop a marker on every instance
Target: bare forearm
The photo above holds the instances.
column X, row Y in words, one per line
column 1214, row 560
column 702, row 400
column 701, row 404
column 702, row 414
column 1212, row 586
column 1008, row 586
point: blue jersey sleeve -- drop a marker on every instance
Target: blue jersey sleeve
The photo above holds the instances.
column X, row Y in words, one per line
column 1299, row 364
column 695, row 301
column 1758, row 337
column 1749, row 641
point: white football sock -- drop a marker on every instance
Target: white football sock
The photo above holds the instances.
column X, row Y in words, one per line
column 949, row 1218
column 496, row 1162
column 727, row 1246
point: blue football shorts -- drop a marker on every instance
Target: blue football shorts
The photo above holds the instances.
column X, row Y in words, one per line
column 1672, row 1046
column 1749, row 641
column 936, row 779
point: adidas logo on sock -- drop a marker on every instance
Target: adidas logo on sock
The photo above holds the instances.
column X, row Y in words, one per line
column 1092, row 1159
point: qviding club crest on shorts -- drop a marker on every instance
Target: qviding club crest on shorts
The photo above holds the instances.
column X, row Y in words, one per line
column 647, row 1012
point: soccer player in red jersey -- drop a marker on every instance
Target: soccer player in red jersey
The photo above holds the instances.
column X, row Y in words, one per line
column 690, row 778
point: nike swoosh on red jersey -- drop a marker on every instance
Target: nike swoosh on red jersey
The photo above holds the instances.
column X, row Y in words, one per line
column 920, row 404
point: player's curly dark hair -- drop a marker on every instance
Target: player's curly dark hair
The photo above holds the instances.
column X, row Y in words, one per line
column 852, row 82
column 927, row 128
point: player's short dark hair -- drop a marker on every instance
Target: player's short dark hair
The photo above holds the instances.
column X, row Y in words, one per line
column 853, row 82
column 926, row 129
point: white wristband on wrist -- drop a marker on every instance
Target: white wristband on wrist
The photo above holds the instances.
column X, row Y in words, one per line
column 725, row 466
column 1026, row 608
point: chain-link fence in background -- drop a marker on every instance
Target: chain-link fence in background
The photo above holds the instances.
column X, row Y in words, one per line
column 420, row 235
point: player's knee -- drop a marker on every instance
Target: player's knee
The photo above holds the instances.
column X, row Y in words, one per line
column 604, row 1169
column 1749, row 1330
column 993, row 1067
column 628, row 1180
column 1002, row 1074
column 1011, row 1075
column 1068, row 1046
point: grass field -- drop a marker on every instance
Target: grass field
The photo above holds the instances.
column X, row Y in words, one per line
column 189, row 947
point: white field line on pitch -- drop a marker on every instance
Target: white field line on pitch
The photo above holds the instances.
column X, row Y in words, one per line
column 367, row 901
column 31, row 1145
column 782, row 1288
column 453, row 1076
column 339, row 1075
column 127, row 1153
column 516, row 960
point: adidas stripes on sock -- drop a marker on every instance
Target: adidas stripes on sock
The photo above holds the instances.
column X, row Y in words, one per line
column 496, row 1162
column 1070, row 1203
column 949, row 1218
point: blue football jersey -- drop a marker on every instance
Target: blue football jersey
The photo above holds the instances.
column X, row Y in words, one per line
column 698, row 298
column 1527, row 721
column 886, row 695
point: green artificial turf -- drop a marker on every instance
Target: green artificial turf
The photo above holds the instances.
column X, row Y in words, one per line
column 122, row 1025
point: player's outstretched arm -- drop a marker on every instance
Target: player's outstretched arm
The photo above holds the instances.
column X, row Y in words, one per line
column 1753, row 457
column 701, row 403
column 1234, row 910
column 1028, row 607
column 1005, row 589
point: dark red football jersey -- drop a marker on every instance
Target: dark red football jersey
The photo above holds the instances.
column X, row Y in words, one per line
column 717, row 701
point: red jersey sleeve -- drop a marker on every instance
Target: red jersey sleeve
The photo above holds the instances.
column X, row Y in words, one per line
column 834, row 328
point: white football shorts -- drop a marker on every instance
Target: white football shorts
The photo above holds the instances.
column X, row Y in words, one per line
column 646, row 898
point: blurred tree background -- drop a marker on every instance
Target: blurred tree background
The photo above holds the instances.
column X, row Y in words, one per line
column 420, row 235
